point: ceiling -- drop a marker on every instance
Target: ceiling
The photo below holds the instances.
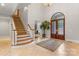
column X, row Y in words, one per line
column 8, row 8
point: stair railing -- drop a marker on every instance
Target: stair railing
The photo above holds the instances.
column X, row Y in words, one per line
column 30, row 27
column 13, row 33
column 31, row 31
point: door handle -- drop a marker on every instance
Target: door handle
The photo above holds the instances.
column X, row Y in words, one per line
column 56, row 30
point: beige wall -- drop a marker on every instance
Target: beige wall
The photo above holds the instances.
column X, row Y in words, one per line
column 41, row 13
column 23, row 13
column 4, row 27
column 35, row 12
column 71, row 12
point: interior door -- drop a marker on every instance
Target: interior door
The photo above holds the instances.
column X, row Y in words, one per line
column 58, row 26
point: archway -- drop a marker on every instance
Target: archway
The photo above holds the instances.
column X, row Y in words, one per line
column 58, row 26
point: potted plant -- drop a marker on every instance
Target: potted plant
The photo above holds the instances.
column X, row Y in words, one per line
column 44, row 26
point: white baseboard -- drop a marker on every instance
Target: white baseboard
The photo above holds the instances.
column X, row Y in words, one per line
column 75, row 41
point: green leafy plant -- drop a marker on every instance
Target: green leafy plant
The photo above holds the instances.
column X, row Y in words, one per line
column 44, row 26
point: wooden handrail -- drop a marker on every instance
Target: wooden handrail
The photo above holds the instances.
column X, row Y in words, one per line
column 18, row 12
column 19, row 30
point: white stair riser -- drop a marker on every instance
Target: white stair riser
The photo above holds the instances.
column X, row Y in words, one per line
column 24, row 41
column 22, row 35
column 24, row 38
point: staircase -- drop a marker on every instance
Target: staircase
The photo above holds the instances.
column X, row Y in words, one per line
column 23, row 36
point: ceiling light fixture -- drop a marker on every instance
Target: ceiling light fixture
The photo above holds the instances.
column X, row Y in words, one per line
column 2, row 4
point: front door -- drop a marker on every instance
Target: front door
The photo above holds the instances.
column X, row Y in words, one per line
column 58, row 26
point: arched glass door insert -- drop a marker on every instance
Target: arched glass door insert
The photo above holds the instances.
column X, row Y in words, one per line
column 58, row 26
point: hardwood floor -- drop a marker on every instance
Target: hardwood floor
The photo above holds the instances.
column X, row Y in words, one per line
column 67, row 49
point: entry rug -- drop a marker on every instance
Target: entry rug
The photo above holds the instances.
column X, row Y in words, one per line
column 50, row 44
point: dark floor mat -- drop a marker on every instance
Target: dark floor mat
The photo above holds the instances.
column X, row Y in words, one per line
column 50, row 44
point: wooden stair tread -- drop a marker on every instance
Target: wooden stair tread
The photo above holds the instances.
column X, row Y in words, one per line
column 19, row 25
column 21, row 33
column 22, row 37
